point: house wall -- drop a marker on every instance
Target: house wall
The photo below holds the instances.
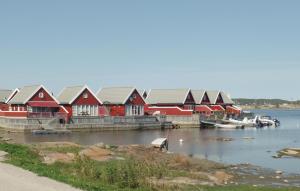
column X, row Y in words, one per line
column 17, row 114
column 171, row 110
column 46, row 97
column 91, row 100
column 35, row 97
column 80, row 100
column 119, row 110
column 232, row 111
column 217, row 108
column 136, row 99
column 116, row 110
column 203, row 110
column 220, row 100
column 189, row 100
column 4, row 107
column 205, row 100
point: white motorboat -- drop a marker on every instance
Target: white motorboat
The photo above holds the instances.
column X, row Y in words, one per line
column 267, row 121
column 245, row 122
column 229, row 126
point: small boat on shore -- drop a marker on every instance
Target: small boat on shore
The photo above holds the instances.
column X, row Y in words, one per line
column 207, row 124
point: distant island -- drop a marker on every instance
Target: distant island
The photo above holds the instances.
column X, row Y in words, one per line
column 247, row 104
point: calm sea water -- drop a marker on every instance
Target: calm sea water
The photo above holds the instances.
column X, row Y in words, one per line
column 258, row 151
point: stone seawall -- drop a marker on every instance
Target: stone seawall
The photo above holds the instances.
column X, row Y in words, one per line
column 87, row 123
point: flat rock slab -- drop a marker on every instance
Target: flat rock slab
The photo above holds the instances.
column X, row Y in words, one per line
column 3, row 155
column 97, row 153
column 16, row 179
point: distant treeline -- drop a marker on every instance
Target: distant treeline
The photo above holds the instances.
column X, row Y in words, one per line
column 244, row 101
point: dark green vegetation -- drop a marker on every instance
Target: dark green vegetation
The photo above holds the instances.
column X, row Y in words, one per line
column 128, row 174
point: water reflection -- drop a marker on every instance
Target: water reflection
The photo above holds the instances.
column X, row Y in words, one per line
column 200, row 143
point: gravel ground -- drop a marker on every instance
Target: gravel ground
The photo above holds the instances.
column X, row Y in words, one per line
column 15, row 179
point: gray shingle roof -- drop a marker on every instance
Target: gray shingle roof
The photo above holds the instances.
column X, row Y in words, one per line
column 198, row 95
column 115, row 95
column 226, row 98
column 4, row 95
column 213, row 95
column 167, row 96
column 25, row 94
column 69, row 94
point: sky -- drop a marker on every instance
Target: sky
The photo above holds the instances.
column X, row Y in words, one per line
column 248, row 48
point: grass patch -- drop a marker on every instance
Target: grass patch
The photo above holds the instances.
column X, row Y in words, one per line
column 86, row 174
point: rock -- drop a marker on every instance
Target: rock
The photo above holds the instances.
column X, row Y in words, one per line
column 3, row 155
column 50, row 158
column 277, row 177
column 254, row 185
column 101, row 145
column 107, row 146
column 224, row 139
column 6, row 139
column 248, row 138
column 96, row 153
column 222, row 177
column 261, row 177
column 286, row 181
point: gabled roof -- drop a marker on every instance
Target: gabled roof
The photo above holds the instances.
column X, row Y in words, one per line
column 4, row 95
column 26, row 93
column 198, row 95
column 115, row 95
column 167, row 96
column 226, row 98
column 213, row 96
column 69, row 94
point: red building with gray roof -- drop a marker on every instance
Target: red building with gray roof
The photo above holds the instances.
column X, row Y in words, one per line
column 170, row 102
column 122, row 101
column 202, row 102
column 34, row 102
column 5, row 96
column 80, row 101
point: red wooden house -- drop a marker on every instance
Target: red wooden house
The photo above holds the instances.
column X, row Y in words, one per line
column 229, row 106
column 202, row 102
column 222, row 103
column 170, row 102
column 34, row 102
column 122, row 101
column 5, row 96
column 80, row 101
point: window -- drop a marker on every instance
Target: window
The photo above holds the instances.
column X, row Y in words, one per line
column 134, row 110
column 85, row 95
column 41, row 95
column 85, row 110
column 74, row 109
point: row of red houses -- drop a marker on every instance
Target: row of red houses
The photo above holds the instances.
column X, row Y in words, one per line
column 37, row 101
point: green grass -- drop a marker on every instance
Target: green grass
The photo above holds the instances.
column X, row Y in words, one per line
column 86, row 174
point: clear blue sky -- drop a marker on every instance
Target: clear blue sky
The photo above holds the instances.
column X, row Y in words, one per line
column 247, row 48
